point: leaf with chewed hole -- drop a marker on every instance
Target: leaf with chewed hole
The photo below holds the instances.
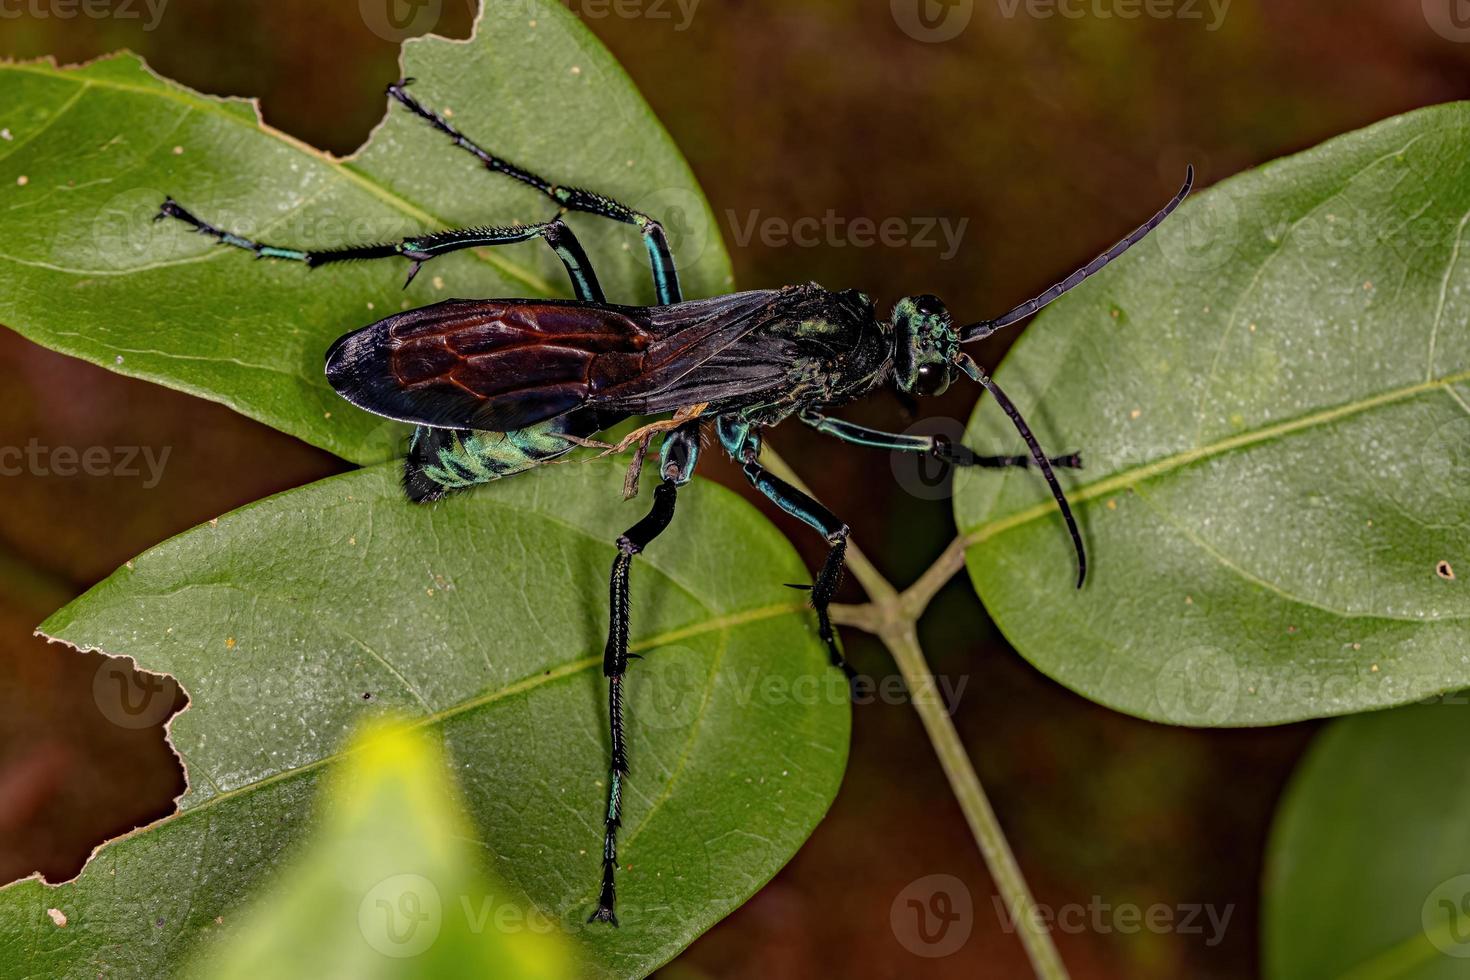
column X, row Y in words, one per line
column 85, row 270
column 292, row 619
column 1272, row 399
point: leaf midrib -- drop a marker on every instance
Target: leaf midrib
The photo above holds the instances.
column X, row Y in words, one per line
column 1160, row 467
column 342, row 166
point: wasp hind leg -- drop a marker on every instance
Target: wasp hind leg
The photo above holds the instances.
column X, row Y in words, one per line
column 417, row 250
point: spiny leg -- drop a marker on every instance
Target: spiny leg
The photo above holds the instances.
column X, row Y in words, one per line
column 938, row 446
column 661, row 259
column 742, row 442
column 418, row 249
column 677, row 460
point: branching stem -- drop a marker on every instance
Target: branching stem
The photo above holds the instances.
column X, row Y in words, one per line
column 893, row 616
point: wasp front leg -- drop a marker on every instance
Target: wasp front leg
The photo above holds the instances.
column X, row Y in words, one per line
column 941, row 448
column 938, row 446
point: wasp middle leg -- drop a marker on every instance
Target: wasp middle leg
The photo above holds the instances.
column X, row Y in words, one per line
column 655, row 240
column 742, row 442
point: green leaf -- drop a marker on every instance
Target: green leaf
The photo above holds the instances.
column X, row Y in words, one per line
column 388, row 886
column 1368, row 868
column 85, row 270
column 1272, row 399
column 290, row 620
column 484, row 617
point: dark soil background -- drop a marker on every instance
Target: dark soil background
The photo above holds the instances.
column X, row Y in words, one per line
column 1051, row 135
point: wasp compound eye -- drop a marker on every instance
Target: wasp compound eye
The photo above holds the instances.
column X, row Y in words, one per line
column 929, row 305
column 932, row 379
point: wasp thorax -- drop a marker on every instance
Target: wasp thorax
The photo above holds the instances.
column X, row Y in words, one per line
column 924, row 345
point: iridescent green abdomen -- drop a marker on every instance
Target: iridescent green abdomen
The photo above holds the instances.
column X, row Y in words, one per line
column 444, row 460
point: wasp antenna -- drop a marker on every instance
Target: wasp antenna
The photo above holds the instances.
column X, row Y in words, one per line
column 968, row 365
column 984, row 328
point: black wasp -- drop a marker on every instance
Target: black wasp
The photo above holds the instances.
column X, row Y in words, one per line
column 499, row 386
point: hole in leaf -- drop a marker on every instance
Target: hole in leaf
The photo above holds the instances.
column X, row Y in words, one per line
column 83, row 755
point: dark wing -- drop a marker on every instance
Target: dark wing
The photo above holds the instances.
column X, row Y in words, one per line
column 809, row 333
column 747, row 369
column 506, row 364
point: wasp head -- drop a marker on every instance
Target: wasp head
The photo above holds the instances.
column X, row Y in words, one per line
column 925, row 344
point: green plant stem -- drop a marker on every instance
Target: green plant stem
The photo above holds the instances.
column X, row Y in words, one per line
column 893, row 616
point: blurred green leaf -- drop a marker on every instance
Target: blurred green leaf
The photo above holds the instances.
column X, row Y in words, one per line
column 388, row 886
column 1368, row 868
column 1272, row 398
column 291, row 619
column 92, row 152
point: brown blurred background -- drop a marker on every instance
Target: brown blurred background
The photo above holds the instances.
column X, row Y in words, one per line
column 1050, row 134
